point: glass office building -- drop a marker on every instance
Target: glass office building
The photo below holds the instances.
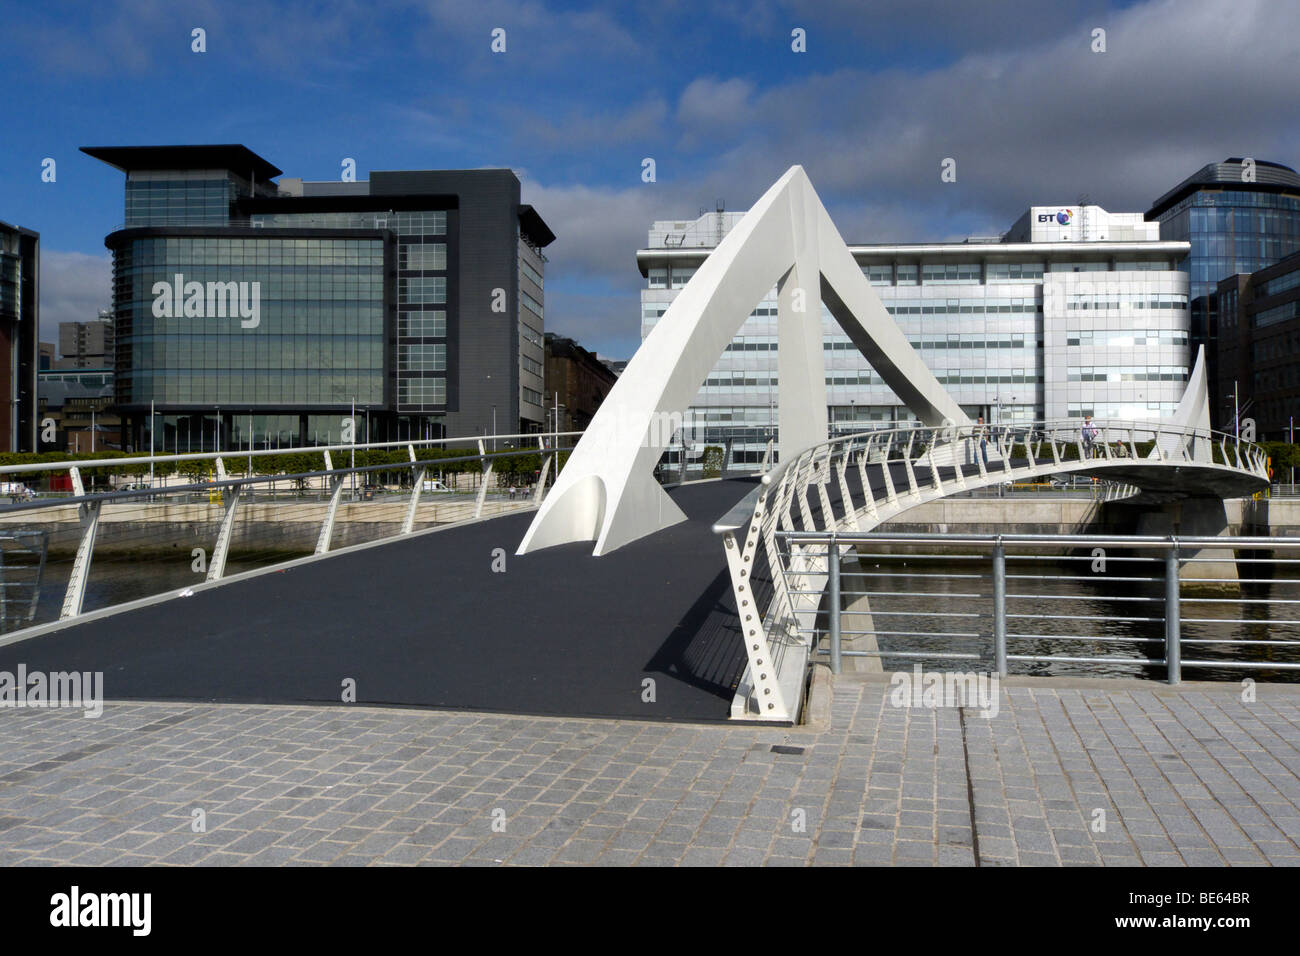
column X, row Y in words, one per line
column 250, row 310
column 1075, row 311
column 1259, row 347
column 1238, row 217
column 20, row 303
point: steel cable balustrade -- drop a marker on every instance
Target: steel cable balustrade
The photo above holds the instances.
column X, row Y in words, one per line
column 176, row 535
column 874, row 475
column 1148, row 610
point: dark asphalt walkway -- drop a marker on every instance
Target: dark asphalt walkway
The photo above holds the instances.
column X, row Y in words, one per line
column 426, row 622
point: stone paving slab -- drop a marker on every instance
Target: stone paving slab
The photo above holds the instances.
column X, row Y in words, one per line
column 1065, row 774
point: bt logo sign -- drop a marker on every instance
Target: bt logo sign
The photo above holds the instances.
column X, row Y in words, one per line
column 1062, row 217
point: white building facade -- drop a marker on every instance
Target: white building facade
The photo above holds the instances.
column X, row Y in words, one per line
column 1075, row 311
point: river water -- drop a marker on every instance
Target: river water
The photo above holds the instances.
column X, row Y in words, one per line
column 1072, row 612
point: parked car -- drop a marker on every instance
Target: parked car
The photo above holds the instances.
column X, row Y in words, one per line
column 434, row 485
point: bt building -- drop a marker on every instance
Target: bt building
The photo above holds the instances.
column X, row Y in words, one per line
column 1074, row 311
column 252, row 310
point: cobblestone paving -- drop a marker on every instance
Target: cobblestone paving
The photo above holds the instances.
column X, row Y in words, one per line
column 1183, row 777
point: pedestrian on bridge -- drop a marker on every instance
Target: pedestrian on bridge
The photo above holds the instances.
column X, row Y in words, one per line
column 982, row 433
column 1089, row 435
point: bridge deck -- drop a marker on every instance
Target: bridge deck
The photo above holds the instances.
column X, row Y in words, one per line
column 425, row 621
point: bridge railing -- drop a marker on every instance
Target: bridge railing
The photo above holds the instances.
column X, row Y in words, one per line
column 853, row 483
column 1089, row 604
column 202, row 516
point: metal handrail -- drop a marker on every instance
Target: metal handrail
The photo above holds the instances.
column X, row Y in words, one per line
column 230, row 490
column 936, row 461
column 245, row 453
column 832, row 542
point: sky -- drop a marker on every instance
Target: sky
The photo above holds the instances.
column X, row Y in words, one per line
column 713, row 91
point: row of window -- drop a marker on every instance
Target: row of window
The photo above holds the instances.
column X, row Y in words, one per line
column 305, row 352
column 1121, row 411
column 531, row 395
column 1287, row 376
column 1132, row 338
column 285, row 387
column 530, row 334
column 746, row 379
column 426, row 223
column 1279, row 313
column 530, row 365
column 1281, row 283
column 982, row 306
column 1128, row 373
column 1087, row 301
column 207, row 249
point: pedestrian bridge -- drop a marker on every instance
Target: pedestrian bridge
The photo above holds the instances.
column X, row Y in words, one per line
column 615, row 598
column 858, row 482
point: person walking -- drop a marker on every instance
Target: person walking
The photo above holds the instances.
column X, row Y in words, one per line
column 982, row 433
column 1089, row 436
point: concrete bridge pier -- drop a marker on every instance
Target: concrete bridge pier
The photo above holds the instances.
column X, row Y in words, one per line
column 1196, row 517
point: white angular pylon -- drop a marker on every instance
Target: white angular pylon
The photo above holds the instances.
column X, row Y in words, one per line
column 607, row 491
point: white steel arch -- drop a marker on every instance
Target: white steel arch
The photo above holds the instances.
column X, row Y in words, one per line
column 607, row 491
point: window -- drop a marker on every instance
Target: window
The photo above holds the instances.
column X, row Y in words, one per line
column 526, row 268
column 422, row 324
column 950, row 272
column 422, row 358
column 531, row 304
column 427, row 257
column 1015, row 270
column 431, row 289
column 659, row 278
column 422, row 391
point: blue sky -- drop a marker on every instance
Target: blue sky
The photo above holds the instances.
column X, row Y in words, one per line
column 712, row 91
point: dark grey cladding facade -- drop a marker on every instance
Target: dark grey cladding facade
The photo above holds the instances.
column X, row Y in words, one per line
column 485, row 343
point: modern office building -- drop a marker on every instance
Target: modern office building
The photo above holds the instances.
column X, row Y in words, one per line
column 272, row 311
column 576, row 383
column 1239, row 216
column 1075, row 311
column 86, row 344
column 20, row 323
column 1259, row 347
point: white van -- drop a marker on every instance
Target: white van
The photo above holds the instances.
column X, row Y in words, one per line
column 433, row 485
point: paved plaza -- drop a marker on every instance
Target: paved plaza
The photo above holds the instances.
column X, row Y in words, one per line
column 1067, row 772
